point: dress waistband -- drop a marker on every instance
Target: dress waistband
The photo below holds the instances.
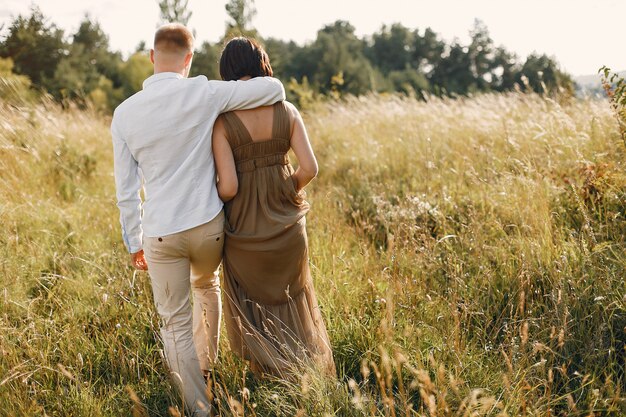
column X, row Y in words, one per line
column 262, row 162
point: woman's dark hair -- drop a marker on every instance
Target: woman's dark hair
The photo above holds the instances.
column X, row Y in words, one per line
column 243, row 56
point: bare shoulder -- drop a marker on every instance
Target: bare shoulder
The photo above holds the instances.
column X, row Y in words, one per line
column 218, row 126
column 293, row 110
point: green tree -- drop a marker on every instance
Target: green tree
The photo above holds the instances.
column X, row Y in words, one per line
column 97, row 50
column 241, row 13
column 290, row 60
column 206, row 61
column 90, row 72
column 390, row 48
column 338, row 63
column 14, row 88
column 280, row 55
column 134, row 71
column 453, row 74
column 174, row 11
column 142, row 47
column 89, row 60
column 409, row 81
column 96, row 42
column 505, row 69
column 541, row 74
column 614, row 87
column 481, row 57
column 35, row 46
column 402, row 57
column 427, row 51
column 74, row 76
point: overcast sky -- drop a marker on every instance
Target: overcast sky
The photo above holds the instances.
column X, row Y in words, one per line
column 582, row 35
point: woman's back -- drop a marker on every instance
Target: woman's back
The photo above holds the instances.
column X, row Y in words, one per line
column 266, row 201
column 270, row 306
column 258, row 122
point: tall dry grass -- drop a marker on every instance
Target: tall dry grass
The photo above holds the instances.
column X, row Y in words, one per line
column 468, row 256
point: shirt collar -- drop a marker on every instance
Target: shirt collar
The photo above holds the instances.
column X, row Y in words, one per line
column 161, row 76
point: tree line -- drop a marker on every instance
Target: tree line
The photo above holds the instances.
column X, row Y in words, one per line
column 81, row 67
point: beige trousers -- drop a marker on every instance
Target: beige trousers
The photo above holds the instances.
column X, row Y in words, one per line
column 180, row 264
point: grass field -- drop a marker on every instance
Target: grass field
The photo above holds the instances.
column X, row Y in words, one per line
column 469, row 256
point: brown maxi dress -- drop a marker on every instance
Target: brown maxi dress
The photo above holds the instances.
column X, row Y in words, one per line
column 270, row 310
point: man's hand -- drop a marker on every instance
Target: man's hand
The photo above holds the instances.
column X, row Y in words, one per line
column 139, row 261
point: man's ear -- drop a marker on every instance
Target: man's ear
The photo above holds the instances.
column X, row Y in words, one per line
column 188, row 58
column 152, row 55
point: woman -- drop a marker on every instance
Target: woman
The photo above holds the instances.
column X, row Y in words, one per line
column 270, row 309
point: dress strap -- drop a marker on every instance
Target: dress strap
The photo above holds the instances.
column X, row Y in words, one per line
column 281, row 128
column 236, row 131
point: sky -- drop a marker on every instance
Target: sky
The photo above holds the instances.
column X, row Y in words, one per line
column 582, row 35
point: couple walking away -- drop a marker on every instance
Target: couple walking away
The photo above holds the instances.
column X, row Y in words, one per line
column 193, row 144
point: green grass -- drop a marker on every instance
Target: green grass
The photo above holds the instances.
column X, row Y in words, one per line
column 468, row 256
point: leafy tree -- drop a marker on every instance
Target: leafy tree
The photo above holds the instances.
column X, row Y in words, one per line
column 174, row 11
column 280, row 54
column 427, row 51
column 470, row 69
column 74, row 76
column 241, row 13
column 404, row 57
column 409, row 81
column 453, row 74
column 541, row 74
column 338, row 61
column 91, row 35
column 134, row 71
column 505, row 69
column 35, row 46
column 104, row 97
column 614, row 87
column 141, row 47
column 291, row 63
column 206, row 61
column 96, row 46
column 390, row 48
column 14, row 88
column 481, row 56
column 301, row 93
column 6, row 67
column 288, row 59
column 89, row 60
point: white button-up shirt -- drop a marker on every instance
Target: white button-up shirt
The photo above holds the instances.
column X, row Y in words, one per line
column 162, row 138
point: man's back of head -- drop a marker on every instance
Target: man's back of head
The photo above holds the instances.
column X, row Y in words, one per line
column 173, row 48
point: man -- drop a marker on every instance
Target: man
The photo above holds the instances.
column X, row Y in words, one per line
column 162, row 137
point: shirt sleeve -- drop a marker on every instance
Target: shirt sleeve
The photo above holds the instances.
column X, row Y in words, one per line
column 241, row 95
column 128, row 187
